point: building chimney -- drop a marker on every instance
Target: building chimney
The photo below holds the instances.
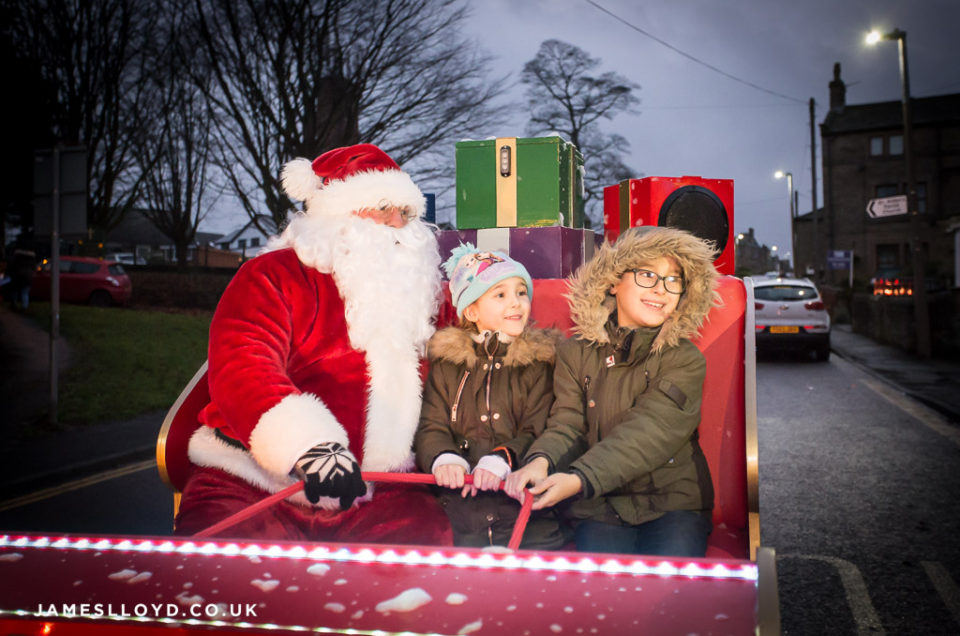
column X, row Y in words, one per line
column 838, row 90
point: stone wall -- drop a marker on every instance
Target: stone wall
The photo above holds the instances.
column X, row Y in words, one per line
column 889, row 319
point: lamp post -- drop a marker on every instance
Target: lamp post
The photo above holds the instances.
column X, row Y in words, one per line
column 920, row 310
column 780, row 174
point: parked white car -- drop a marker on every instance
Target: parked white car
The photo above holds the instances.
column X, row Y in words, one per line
column 125, row 258
column 790, row 315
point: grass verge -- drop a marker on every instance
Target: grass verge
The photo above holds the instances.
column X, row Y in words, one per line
column 124, row 362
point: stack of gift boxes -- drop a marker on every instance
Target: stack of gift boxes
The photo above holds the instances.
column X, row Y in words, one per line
column 523, row 197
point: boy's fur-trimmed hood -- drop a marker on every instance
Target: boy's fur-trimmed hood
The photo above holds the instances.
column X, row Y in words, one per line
column 456, row 345
column 591, row 302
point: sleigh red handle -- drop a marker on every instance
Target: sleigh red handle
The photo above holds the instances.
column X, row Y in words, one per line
column 397, row 478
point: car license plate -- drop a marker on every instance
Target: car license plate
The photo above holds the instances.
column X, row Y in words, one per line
column 784, row 329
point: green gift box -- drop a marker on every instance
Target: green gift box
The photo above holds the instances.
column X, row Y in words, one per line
column 525, row 182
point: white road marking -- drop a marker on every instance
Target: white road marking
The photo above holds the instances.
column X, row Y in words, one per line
column 70, row 486
column 925, row 415
column 946, row 587
column 855, row 588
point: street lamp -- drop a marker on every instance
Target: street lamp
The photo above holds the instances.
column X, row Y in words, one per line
column 780, row 174
column 920, row 310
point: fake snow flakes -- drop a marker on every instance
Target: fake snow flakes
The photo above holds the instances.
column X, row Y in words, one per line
column 337, row 608
column 318, row 569
column 406, row 601
column 456, row 599
column 469, row 628
column 265, row 586
column 184, row 598
column 143, row 576
column 122, row 575
column 12, row 556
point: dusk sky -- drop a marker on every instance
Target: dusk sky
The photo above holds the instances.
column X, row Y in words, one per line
column 695, row 121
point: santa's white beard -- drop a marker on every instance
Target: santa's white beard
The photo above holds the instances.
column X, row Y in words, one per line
column 389, row 279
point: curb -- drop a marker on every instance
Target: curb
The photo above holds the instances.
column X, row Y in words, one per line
column 952, row 415
column 79, row 470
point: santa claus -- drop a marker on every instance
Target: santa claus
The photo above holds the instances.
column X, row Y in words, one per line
column 314, row 364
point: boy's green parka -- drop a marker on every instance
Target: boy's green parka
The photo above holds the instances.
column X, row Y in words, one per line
column 627, row 402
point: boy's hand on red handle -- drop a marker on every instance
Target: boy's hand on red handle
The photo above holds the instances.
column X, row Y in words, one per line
column 531, row 474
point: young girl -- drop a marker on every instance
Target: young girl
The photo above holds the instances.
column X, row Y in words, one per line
column 628, row 393
column 486, row 398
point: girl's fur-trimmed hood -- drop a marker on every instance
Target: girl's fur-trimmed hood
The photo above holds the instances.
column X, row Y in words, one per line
column 456, row 345
column 591, row 302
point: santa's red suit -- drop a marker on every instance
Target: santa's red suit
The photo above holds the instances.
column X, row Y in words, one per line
column 319, row 339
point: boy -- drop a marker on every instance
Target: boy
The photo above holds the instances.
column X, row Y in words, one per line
column 622, row 433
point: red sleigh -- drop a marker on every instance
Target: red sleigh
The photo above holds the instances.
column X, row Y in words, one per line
column 336, row 588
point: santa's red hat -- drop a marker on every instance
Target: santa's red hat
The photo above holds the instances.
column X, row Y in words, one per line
column 345, row 180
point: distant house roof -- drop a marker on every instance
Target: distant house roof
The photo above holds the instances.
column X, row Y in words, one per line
column 206, row 238
column 136, row 229
column 885, row 115
column 265, row 222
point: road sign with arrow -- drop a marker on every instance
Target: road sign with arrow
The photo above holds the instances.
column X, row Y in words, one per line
column 887, row 206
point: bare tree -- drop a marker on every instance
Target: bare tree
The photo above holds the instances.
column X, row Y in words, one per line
column 565, row 96
column 298, row 77
column 174, row 162
column 89, row 56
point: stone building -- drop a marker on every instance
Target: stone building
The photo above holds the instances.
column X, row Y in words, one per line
column 863, row 159
column 754, row 258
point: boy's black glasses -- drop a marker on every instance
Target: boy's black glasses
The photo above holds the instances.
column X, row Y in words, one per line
column 646, row 278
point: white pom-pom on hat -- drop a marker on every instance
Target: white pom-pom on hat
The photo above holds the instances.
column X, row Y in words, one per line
column 299, row 180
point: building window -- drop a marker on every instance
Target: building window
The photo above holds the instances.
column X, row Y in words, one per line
column 888, row 257
column 255, row 241
column 887, row 190
column 225, row 246
column 242, row 243
column 876, row 146
column 921, row 198
column 896, row 144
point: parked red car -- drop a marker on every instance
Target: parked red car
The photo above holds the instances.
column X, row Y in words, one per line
column 93, row 281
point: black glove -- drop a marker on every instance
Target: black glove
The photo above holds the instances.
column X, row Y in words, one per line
column 330, row 470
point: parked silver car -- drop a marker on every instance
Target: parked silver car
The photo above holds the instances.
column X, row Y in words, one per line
column 790, row 315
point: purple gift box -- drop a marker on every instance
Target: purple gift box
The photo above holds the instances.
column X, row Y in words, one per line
column 449, row 239
column 546, row 252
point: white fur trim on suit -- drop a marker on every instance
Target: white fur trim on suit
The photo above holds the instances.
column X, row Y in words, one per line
column 393, row 409
column 207, row 450
column 359, row 191
column 292, row 427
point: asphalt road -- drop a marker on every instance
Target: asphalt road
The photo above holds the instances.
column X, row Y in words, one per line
column 859, row 491
column 859, row 494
